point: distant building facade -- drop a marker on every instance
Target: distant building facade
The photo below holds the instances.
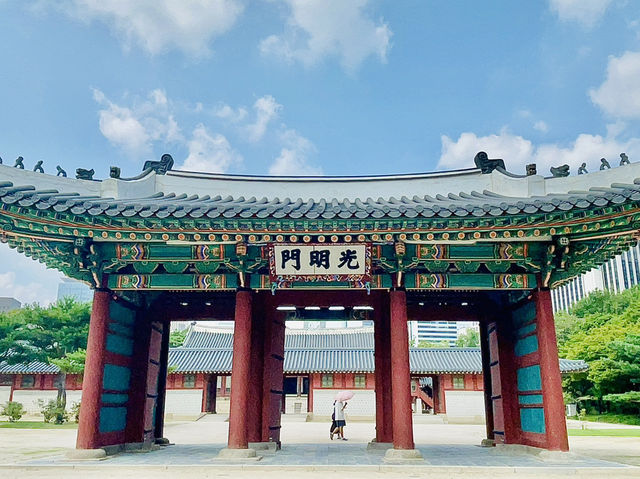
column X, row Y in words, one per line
column 434, row 331
column 70, row 288
column 317, row 364
column 9, row 304
column 617, row 274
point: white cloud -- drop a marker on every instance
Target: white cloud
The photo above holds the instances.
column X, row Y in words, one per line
column 518, row 151
column 266, row 110
column 225, row 112
column 541, row 126
column 317, row 29
column 585, row 12
column 210, row 152
column 619, row 95
column 26, row 279
column 161, row 25
column 134, row 129
column 293, row 158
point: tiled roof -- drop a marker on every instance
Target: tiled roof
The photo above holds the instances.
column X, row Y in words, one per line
column 361, row 338
column 35, row 367
column 328, row 351
column 161, row 205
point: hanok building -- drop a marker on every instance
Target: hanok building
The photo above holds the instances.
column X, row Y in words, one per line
column 479, row 244
column 317, row 364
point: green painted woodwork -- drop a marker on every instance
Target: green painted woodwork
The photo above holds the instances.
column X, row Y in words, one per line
column 526, row 345
column 503, row 252
column 530, row 399
column 523, row 315
column 186, row 281
column 532, row 420
column 121, row 329
column 119, row 345
column 112, row 398
column 116, row 378
column 121, row 314
column 112, row 419
column 529, row 378
column 470, row 281
column 525, row 330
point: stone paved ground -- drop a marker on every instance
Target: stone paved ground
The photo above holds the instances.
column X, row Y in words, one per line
column 451, row 451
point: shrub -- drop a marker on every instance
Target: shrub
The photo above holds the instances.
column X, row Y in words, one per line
column 54, row 411
column 75, row 411
column 13, row 410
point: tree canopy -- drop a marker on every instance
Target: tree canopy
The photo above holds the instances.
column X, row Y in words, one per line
column 36, row 333
column 604, row 330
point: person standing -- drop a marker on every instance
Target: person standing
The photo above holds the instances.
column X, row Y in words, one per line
column 338, row 413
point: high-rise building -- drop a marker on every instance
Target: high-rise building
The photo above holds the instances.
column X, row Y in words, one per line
column 9, row 304
column 70, row 288
column 617, row 274
column 434, row 331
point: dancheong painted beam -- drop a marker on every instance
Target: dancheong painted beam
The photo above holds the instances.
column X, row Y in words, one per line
column 149, row 233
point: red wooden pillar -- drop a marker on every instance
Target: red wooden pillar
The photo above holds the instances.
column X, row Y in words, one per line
column 89, row 421
column 162, row 385
column 240, row 370
column 273, row 376
column 384, row 418
column 400, row 374
column 486, row 378
column 553, row 403
column 254, row 408
column 508, row 396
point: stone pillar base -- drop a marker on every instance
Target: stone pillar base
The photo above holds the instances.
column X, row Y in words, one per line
column 163, row 441
column 238, row 454
column 86, row 454
column 377, row 446
column 267, row 446
column 404, row 456
column 487, row 443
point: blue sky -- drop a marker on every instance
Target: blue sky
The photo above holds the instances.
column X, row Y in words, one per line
column 312, row 87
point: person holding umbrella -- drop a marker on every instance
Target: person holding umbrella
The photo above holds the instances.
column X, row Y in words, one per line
column 339, row 406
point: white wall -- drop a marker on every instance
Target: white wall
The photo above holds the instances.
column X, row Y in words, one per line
column 5, row 392
column 29, row 398
column 183, row 402
column 464, row 403
column 363, row 402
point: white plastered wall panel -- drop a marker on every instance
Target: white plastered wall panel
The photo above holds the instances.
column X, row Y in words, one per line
column 5, row 394
column 464, row 403
column 363, row 403
column 30, row 398
column 183, row 402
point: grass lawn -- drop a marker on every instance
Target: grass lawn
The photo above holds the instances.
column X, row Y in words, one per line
column 614, row 418
column 36, row 425
column 605, row 432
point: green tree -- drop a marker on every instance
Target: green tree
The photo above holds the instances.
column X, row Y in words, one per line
column 176, row 338
column 469, row 339
column 432, row 344
column 70, row 363
column 604, row 330
column 46, row 334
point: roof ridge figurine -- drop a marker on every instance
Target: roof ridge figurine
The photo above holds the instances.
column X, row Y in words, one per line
column 83, row 174
column 160, row 167
column 19, row 163
column 486, row 164
column 583, row 169
column 38, row 167
column 61, row 172
column 560, row 171
column 624, row 159
column 604, row 164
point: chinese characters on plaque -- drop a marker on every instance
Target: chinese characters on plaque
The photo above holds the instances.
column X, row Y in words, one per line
column 320, row 260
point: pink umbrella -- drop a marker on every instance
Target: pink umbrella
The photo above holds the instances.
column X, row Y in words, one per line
column 343, row 395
